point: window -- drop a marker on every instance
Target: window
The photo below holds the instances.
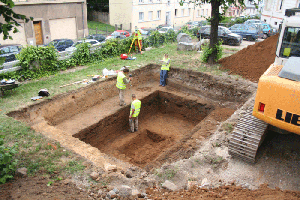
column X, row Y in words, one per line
column 169, row 3
column 61, row 43
column 14, row 49
column 206, row 12
column 182, row 12
column 141, row 16
column 93, row 42
column 202, row 12
column 4, row 50
column 69, row 42
column 150, row 15
column 158, row 14
column 290, row 42
column 150, row 1
column 198, row 13
column 175, row 12
column 189, row 12
column 141, row 1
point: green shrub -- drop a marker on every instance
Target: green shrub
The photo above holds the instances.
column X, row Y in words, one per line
column 82, row 54
column 7, row 163
column 37, row 62
column 208, row 51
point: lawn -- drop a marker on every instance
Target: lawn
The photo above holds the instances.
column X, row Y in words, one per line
column 100, row 28
column 45, row 157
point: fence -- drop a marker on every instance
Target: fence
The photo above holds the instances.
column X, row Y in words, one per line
column 98, row 31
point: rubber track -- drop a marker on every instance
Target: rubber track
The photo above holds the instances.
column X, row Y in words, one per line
column 246, row 137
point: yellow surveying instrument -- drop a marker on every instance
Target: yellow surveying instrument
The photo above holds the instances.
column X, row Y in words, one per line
column 137, row 39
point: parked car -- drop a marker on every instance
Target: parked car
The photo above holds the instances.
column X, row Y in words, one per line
column 165, row 29
column 98, row 37
column 91, row 41
column 268, row 30
column 146, row 32
column 248, row 32
column 252, row 21
column 224, row 34
column 120, row 32
column 191, row 25
column 161, row 25
column 9, row 51
column 61, row 44
column 115, row 35
column 259, row 28
column 201, row 30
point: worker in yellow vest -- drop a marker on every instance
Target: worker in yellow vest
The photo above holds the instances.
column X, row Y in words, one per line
column 165, row 67
column 134, row 113
column 138, row 40
column 121, row 84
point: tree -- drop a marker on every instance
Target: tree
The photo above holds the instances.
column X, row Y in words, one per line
column 215, row 19
column 98, row 5
column 11, row 18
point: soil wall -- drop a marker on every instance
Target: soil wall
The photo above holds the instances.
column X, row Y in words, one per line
column 111, row 127
column 64, row 106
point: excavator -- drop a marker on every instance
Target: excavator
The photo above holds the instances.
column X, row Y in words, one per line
column 277, row 101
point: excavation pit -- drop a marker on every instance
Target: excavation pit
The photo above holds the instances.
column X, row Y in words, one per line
column 164, row 120
column 173, row 122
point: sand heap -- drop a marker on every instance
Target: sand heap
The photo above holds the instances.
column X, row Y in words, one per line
column 253, row 61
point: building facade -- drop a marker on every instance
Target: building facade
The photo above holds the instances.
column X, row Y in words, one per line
column 234, row 11
column 52, row 19
column 151, row 13
column 274, row 10
column 253, row 7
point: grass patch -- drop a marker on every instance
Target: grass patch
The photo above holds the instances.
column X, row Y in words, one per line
column 230, row 49
column 100, row 27
column 228, row 127
column 166, row 174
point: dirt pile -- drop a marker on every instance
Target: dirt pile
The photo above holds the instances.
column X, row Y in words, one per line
column 225, row 192
column 253, row 61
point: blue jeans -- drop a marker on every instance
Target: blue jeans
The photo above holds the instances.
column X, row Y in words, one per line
column 163, row 77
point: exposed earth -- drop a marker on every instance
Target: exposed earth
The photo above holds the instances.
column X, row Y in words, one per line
column 183, row 136
column 253, row 61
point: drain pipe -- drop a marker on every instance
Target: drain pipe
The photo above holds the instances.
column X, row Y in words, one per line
column 83, row 19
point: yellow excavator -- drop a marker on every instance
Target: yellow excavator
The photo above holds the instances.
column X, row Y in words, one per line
column 277, row 101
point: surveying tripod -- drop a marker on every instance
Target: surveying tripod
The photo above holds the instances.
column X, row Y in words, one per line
column 139, row 43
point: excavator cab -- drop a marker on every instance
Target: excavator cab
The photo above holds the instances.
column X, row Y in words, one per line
column 277, row 101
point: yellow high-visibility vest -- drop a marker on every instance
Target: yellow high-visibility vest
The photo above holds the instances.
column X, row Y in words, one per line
column 165, row 66
column 120, row 83
column 137, row 107
column 137, row 35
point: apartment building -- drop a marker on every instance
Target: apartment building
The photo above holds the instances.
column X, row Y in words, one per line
column 274, row 10
column 234, row 11
column 53, row 19
column 253, row 7
column 151, row 13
